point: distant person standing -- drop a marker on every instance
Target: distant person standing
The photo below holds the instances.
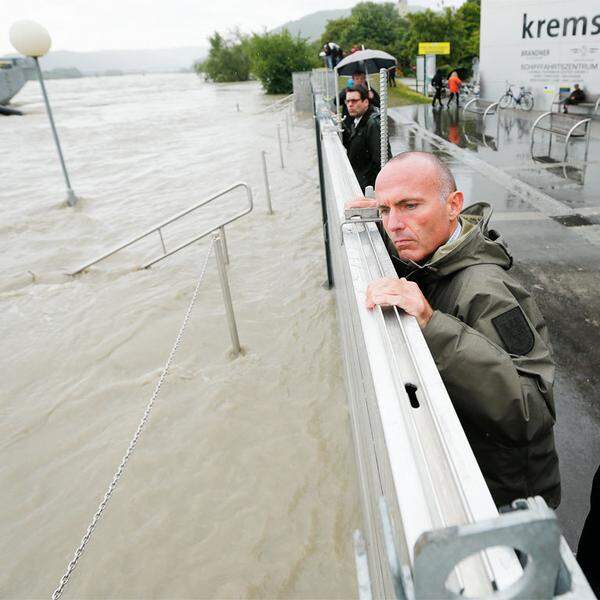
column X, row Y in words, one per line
column 391, row 77
column 338, row 56
column 454, row 84
column 438, row 85
column 328, row 56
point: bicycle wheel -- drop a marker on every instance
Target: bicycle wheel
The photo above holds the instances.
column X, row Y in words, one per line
column 505, row 101
column 527, row 101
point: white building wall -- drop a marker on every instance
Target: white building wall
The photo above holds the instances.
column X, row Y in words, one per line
column 542, row 44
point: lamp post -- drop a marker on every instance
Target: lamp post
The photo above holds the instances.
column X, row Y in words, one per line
column 31, row 39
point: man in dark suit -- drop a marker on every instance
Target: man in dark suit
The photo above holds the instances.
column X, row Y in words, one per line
column 362, row 136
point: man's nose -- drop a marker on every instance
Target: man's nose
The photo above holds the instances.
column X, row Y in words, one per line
column 395, row 221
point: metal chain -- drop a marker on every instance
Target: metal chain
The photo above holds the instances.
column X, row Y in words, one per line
column 88, row 534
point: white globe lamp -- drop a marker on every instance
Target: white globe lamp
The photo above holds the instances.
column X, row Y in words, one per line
column 30, row 38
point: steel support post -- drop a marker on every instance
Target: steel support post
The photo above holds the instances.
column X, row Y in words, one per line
column 287, row 128
column 233, row 332
column 263, row 155
column 71, row 197
column 280, row 147
column 224, row 244
column 383, row 93
column 323, row 198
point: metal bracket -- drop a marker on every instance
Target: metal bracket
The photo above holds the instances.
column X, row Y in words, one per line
column 534, row 532
column 356, row 221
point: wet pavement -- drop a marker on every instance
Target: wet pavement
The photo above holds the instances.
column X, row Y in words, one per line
column 549, row 212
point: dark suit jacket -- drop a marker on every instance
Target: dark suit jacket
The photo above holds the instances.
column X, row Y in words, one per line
column 363, row 145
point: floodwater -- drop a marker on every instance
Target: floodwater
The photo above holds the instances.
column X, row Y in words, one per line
column 243, row 483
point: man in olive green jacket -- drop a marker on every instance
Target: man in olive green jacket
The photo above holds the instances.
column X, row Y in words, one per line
column 485, row 332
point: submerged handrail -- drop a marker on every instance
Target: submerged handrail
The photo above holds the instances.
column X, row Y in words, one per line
column 158, row 228
column 276, row 104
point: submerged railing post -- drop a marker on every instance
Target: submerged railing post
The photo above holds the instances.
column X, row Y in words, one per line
column 224, row 244
column 162, row 241
column 267, row 187
column 233, row 332
column 287, row 128
column 280, row 148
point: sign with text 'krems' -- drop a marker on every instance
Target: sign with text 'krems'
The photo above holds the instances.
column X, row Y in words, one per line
column 434, row 47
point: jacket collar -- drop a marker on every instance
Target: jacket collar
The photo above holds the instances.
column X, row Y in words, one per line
column 362, row 123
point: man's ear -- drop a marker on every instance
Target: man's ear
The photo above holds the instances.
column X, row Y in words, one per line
column 455, row 204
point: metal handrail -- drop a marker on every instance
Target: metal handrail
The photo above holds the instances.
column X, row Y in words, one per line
column 158, row 229
column 287, row 98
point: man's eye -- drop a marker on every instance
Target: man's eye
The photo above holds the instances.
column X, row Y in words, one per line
column 384, row 210
column 411, row 206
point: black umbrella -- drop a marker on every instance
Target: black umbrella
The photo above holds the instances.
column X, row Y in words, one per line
column 462, row 72
column 369, row 61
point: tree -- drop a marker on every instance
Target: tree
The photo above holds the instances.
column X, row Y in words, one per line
column 372, row 25
column 470, row 16
column 275, row 56
column 380, row 26
column 228, row 59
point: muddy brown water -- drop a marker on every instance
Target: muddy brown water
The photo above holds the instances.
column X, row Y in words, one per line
column 243, row 483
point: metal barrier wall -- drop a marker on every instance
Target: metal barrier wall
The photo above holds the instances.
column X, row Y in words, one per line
column 416, row 469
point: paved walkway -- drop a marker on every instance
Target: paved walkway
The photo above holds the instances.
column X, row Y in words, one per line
column 550, row 215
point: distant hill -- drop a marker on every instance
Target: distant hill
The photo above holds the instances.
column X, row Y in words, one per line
column 313, row 25
column 126, row 61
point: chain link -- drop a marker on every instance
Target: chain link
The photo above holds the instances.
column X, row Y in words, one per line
column 88, row 534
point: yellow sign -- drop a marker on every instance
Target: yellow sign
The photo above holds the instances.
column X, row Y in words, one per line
column 434, row 47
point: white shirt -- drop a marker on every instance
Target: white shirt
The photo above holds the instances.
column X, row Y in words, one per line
column 456, row 233
column 357, row 120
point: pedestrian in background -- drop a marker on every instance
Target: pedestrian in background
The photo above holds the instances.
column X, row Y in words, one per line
column 438, row 85
column 392, row 77
column 328, row 56
column 454, row 84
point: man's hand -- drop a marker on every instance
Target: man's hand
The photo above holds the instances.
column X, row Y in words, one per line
column 391, row 291
column 361, row 202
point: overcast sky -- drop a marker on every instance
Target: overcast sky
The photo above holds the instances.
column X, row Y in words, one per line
column 119, row 24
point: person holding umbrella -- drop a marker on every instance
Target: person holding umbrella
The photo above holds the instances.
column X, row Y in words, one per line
column 359, row 64
column 438, row 85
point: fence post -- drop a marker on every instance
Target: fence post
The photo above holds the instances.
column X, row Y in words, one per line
column 233, row 332
column 280, row 148
column 224, row 244
column 267, row 187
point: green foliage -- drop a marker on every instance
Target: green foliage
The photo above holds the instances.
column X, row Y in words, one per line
column 372, row 25
column 379, row 26
column 228, row 59
column 275, row 56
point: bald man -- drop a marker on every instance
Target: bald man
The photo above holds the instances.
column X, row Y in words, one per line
column 485, row 332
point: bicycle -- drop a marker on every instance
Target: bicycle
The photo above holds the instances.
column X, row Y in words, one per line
column 524, row 100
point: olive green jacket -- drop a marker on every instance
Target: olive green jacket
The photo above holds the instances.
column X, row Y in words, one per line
column 490, row 344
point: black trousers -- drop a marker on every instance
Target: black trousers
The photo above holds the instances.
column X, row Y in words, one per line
column 587, row 552
column 437, row 96
column 453, row 95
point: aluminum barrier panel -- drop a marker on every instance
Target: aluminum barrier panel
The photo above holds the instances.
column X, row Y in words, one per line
column 416, row 469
